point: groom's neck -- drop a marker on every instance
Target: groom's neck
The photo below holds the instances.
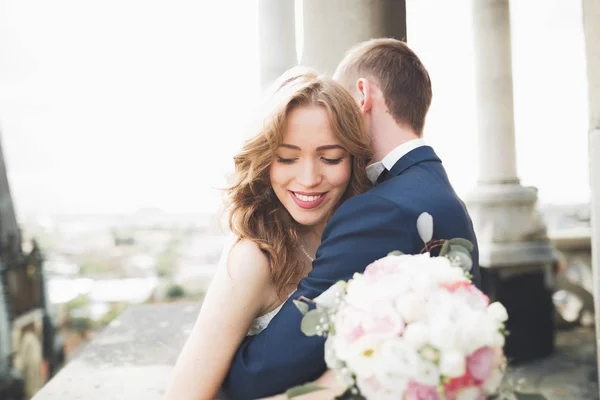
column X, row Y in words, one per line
column 387, row 134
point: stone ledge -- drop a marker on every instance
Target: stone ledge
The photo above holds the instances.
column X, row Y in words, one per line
column 133, row 357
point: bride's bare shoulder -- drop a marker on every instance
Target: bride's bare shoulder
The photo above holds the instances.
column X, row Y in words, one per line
column 248, row 263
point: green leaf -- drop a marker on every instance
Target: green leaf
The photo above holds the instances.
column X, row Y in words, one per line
column 529, row 396
column 395, row 253
column 466, row 263
column 332, row 330
column 310, row 321
column 327, row 299
column 462, row 242
column 348, row 395
column 445, row 248
column 303, row 307
column 302, row 389
column 462, row 249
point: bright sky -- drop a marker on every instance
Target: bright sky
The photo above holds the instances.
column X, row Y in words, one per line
column 120, row 104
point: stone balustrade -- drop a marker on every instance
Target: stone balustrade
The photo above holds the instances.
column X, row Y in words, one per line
column 133, row 357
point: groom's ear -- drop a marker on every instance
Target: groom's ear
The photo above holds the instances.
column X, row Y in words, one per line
column 365, row 94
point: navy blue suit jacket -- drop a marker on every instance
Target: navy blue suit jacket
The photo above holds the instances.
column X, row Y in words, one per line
column 363, row 229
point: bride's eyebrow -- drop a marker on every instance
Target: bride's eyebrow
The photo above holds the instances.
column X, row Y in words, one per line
column 329, row 147
column 320, row 148
column 290, row 146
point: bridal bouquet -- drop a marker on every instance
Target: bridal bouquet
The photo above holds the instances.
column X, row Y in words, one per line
column 412, row 327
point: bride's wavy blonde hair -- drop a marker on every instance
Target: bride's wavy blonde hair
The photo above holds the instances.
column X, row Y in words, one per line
column 255, row 212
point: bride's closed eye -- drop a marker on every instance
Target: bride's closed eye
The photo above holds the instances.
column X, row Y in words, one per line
column 286, row 160
column 332, row 161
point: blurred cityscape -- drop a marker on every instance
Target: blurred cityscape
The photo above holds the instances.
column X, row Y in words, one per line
column 97, row 265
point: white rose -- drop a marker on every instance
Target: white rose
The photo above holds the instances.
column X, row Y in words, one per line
column 427, row 373
column 362, row 293
column 452, row 364
column 416, row 334
column 444, row 334
column 364, row 356
column 497, row 311
column 341, row 347
column 471, row 326
column 470, row 393
column 398, row 357
column 330, row 357
column 391, row 380
column 489, row 335
column 498, row 340
column 411, row 306
column 493, row 381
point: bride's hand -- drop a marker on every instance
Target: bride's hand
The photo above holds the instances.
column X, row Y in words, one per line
column 327, row 381
column 332, row 388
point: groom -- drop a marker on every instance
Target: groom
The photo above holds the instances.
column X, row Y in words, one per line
column 393, row 90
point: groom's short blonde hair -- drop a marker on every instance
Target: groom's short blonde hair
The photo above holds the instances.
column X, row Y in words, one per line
column 404, row 81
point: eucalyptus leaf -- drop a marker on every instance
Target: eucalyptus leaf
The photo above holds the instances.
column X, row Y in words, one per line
column 462, row 242
column 425, row 227
column 303, row 307
column 395, row 253
column 445, row 248
column 529, row 396
column 310, row 321
column 462, row 249
column 465, row 261
column 302, row 389
column 327, row 299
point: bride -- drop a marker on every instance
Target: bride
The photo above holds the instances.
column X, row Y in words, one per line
column 309, row 156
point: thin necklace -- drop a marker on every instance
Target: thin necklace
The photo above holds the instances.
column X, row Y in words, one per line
column 306, row 253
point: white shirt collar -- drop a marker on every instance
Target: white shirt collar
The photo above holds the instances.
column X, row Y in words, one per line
column 375, row 169
column 393, row 156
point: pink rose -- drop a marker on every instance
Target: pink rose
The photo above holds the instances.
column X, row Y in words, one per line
column 499, row 359
column 349, row 323
column 370, row 388
column 381, row 268
column 473, row 296
column 383, row 321
column 455, row 385
column 418, row 391
column 480, row 363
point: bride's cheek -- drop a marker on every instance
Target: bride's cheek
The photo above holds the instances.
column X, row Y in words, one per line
column 342, row 175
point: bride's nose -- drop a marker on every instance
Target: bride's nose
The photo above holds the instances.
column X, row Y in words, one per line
column 309, row 174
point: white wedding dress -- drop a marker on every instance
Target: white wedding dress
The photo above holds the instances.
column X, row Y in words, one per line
column 259, row 324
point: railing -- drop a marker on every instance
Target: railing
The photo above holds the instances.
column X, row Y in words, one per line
column 133, row 358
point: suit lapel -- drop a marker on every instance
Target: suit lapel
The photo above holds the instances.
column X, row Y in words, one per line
column 413, row 157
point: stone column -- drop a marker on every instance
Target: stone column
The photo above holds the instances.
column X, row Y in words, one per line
column 515, row 254
column 591, row 16
column 276, row 38
column 331, row 27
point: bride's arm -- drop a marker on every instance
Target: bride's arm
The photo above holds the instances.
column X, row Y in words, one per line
column 329, row 383
column 235, row 297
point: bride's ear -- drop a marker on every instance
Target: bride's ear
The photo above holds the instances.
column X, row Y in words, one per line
column 365, row 94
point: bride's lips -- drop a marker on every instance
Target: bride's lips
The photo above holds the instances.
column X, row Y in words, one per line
column 308, row 203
